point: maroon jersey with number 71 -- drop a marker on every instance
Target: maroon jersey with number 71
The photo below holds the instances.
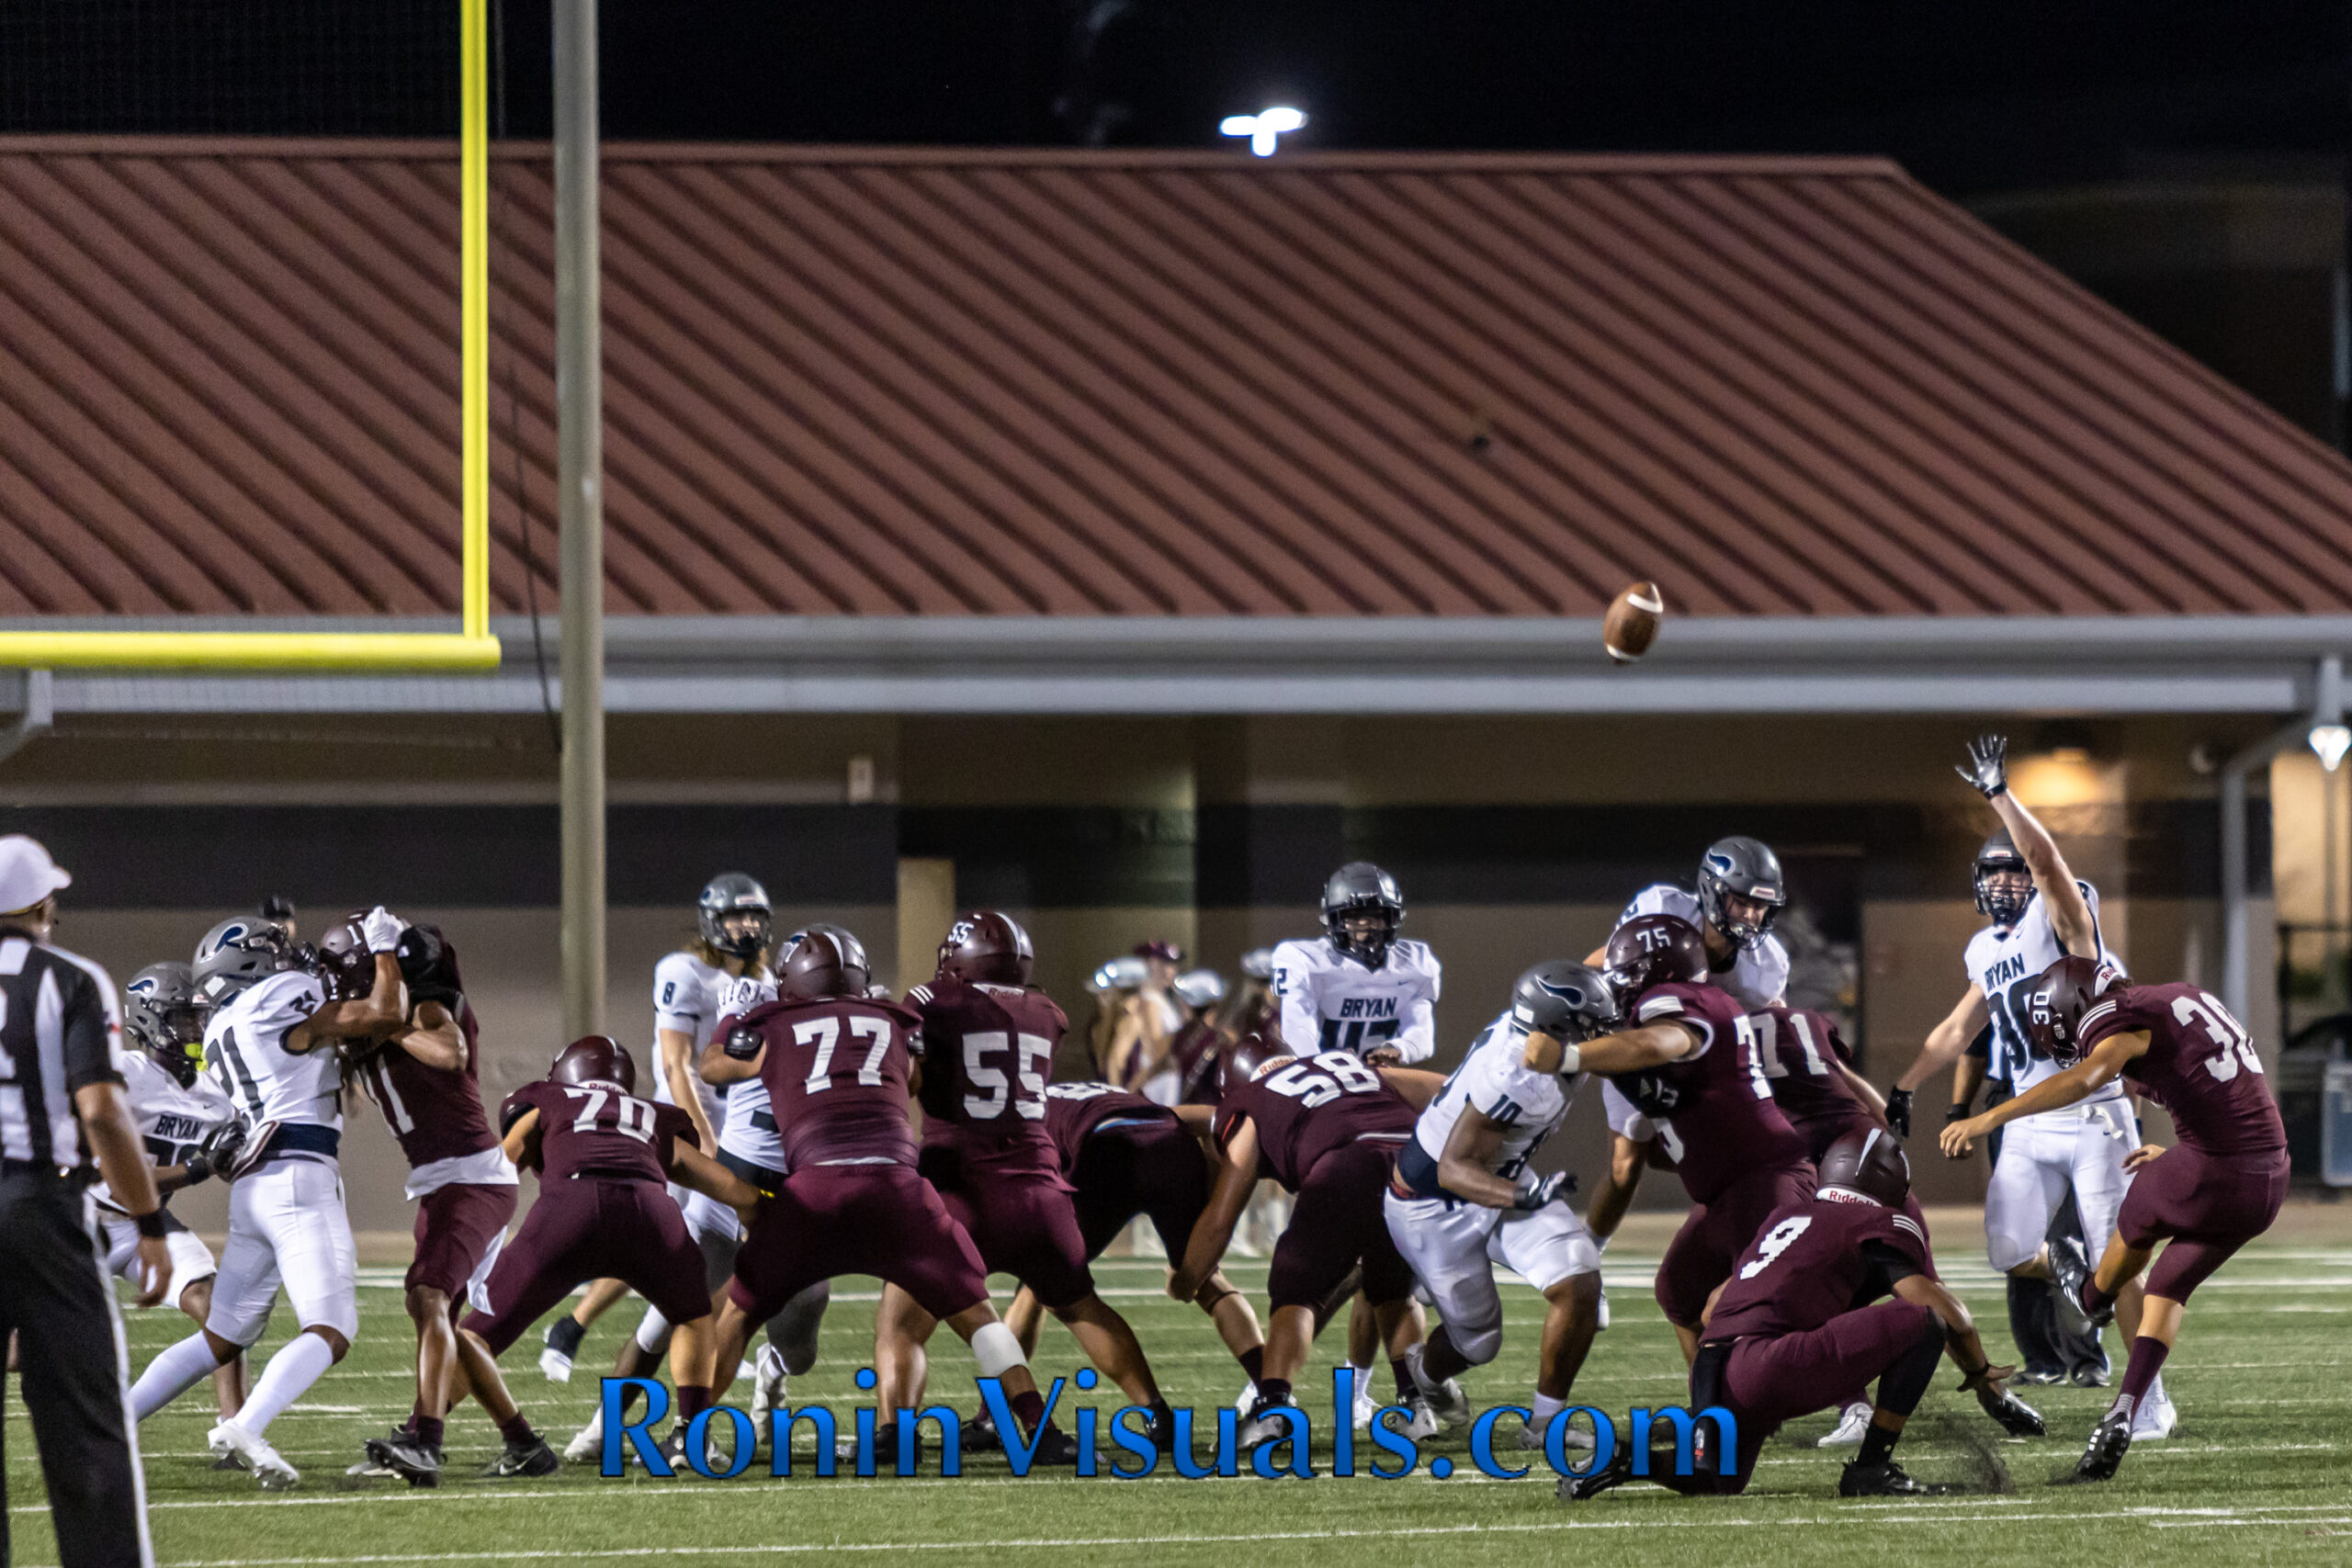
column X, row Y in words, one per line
column 987, row 1052
column 837, row 1072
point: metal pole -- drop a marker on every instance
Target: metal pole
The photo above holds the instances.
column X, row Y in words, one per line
column 579, row 478
column 2236, row 936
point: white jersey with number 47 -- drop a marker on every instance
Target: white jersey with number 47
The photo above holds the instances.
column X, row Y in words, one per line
column 1331, row 1002
column 244, row 1048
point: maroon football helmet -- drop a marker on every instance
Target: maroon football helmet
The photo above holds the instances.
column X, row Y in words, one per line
column 344, row 960
column 986, row 947
column 1241, row 1061
column 826, row 962
column 2054, row 1004
column 596, row 1058
column 1652, row 950
column 1870, row 1163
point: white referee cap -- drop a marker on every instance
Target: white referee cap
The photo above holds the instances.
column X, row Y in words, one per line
column 27, row 873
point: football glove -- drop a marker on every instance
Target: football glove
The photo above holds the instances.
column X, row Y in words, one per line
column 382, row 928
column 219, row 1149
column 253, row 1143
column 1899, row 1112
column 1987, row 770
column 2017, row 1418
column 1536, row 1191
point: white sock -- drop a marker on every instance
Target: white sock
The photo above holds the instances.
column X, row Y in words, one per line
column 653, row 1332
column 290, row 1374
column 172, row 1373
column 1363, row 1379
column 1545, row 1407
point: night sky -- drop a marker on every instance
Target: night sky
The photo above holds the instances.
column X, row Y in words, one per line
column 1976, row 95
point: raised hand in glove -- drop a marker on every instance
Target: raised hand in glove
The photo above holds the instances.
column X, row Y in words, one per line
column 382, row 928
column 1899, row 1112
column 1534, row 1191
column 1988, row 765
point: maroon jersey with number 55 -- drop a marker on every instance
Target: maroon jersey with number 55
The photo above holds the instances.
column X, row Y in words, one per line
column 986, row 1051
column 1308, row 1107
column 837, row 1072
column 1713, row 1108
column 2199, row 1064
column 599, row 1130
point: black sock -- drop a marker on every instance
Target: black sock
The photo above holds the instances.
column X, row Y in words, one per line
column 1275, row 1390
column 1404, row 1372
column 1253, row 1362
column 629, row 1396
column 518, row 1431
column 1878, row 1444
column 566, row 1335
column 1440, row 1359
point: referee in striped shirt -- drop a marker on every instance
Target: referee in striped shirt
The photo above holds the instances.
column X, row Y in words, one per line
column 61, row 1106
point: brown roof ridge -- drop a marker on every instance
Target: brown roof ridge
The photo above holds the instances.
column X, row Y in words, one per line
column 819, row 153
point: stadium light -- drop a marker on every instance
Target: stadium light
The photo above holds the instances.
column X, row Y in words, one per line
column 1265, row 128
column 2329, row 737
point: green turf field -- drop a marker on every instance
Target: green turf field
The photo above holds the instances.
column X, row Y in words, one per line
column 2260, row 1473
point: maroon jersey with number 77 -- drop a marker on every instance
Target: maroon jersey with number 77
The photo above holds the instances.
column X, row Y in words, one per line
column 837, row 1072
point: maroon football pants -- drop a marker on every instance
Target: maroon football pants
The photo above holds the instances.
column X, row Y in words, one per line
column 1337, row 1222
column 1025, row 1225
column 1716, row 1231
column 455, row 1227
column 592, row 1228
column 882, row 1220
column 2205, row 1206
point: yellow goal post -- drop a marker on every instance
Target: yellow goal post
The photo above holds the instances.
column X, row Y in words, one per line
column 471, row 647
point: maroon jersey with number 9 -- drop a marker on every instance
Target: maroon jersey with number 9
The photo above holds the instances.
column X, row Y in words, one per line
column 1306, row 1108
column 597, row 1129
column 987, row 1052
column 837, row 1072
column 1713, row 1111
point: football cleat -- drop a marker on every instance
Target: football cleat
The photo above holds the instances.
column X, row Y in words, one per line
column 1248, row 1397
column 2156, row 1419
column 1616, row 1473
column 980, row 1434
column 1852, row 1423
column 534, row 1457
column 2110, row 1440
column 2070, row 1266
column 1885, row 1479
column 588, row 1446
column 1421, row 1421
column 1261, row 1426
column 2090, row 1374
column 562, row 1344
column 2017, row 1418
column 268, row 1466
column 2040, row 1376
column 768, row 1386
column 1574, row 1439
column 414, row 1461
column 1444, row 1398
column 1055, row 1446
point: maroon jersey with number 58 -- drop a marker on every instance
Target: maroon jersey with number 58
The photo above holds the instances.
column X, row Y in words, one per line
column 1308, row 1107
column 837, row 1072
column 1713, row 1108
column 2199, row 1064
column 986, row 1051
column 597, row 1129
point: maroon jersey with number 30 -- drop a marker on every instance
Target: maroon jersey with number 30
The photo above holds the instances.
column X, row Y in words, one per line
column 2199, row 1064
column 1714, row 1109
column 595, row 1129
column 837, row 1073
column 987, row 1053
column 1808, row 1265
column 434, row 1112
column 1306, row 1108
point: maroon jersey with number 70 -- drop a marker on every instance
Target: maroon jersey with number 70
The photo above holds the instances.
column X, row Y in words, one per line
column 599, row 1130
column 837, row 1072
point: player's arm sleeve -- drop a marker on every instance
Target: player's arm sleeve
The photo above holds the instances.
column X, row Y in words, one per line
column 93, row 1030
column 1672, row 1009
column 1884, row 1265
column 678, row 999
column 510, row 1113
column 1623, row 1119
column 1418, row 1039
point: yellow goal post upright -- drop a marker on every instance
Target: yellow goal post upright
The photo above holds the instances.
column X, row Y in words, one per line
column 471, row 647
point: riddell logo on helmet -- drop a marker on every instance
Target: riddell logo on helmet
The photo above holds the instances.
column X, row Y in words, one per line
column 1124, row 1449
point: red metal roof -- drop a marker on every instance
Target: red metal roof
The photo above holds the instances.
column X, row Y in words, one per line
column 886, row 382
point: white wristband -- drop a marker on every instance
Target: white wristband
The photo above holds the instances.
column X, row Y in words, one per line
column 1571, row 1057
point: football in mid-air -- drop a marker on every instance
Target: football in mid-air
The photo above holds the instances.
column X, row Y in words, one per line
column 1631, row 621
